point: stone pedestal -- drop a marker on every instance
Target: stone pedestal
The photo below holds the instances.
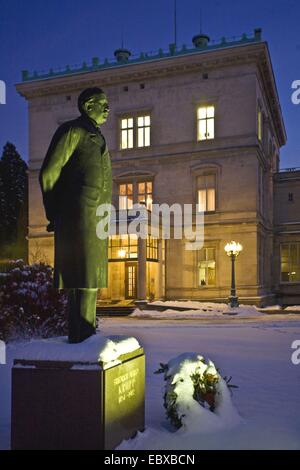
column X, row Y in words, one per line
column 77, row 405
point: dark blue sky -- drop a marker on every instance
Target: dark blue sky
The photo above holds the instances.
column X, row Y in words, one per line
column 39, row 34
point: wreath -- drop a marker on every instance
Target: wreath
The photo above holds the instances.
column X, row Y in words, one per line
column 191, row 381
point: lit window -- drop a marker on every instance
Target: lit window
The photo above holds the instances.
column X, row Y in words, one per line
column 206, row 185
column 127, row 133
column 143, row 129
column 125, row 196
column 123, row 247
column 135, row 192
column 207, row 267
column 206, row 123
column 290, row 262
column 135, row 132
column 259, row 124
column 152, row 248
column 145, row 194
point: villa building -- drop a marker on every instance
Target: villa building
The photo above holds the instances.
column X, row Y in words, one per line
column 200, row 125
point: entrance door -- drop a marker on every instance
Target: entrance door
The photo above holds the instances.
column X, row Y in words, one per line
column 130, row 280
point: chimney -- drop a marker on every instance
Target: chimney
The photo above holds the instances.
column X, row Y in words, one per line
column 201, row 40
column 122, row 55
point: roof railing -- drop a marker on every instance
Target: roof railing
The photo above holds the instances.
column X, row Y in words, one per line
column 173, row 50
column 289, row 170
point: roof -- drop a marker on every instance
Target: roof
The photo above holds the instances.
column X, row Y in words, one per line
column 173, row 51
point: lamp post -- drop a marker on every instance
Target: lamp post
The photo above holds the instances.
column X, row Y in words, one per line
column 233, row 249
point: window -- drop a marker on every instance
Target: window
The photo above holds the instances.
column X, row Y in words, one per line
column 290, row 262
column 143, row 131
column 135, row 132
column 152, row 248
column 123, row 247
column 145, row 194
column 206, row 185
column 262, row 190
column 207, row 267
column 127, row 133
column 259, row 124
column 291, row 197
column 206, row 123
column 135, row 192
column 125, row 196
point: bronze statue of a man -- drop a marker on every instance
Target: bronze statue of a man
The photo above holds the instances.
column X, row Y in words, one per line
column 75, row 179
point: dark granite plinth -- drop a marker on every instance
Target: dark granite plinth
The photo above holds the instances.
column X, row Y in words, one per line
column 64, row 405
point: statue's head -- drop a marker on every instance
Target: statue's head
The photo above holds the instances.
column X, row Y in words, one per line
column 93, row 102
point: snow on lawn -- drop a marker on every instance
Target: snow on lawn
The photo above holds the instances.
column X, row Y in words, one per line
column 176, row 309
column 200, row 311
column 256, row 355
column 219, row 308
column 190, row 304
column 293, row 308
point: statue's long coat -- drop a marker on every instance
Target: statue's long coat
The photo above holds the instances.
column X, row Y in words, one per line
column 79, row 161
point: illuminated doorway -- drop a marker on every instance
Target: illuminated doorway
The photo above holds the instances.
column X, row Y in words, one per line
column 131, row 280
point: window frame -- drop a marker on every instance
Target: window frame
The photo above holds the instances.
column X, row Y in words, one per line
column 152, row 248
column 135, row 181
column 125, row 195
column 260, row 123
column 145, row 193
column 135, row 115
column 205, row 105
column 204, row 169
column 127, row 129
column 121, row 245
column 282, row 244
column 207, row 286
column 144, row 127
column 206, row 189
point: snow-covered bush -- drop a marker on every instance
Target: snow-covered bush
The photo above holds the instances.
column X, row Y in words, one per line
column 196, row 396
column 29, row 305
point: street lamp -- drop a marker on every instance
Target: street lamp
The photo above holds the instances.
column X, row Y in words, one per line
column 233, row 249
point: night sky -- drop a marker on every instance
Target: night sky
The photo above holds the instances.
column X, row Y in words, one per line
column 40, row 34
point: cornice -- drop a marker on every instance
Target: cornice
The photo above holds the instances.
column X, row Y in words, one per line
column 271, row 93
column 136, row 72
column 257, row 53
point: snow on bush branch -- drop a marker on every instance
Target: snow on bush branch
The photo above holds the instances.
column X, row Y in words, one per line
column 196, row 396
column 29, row 305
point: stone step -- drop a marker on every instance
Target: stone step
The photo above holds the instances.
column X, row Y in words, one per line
column 111, row 311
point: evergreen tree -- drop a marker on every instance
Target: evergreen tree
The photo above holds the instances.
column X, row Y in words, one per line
column 13, row 203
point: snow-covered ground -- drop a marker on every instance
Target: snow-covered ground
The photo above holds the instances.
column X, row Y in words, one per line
column 257, row 354
column 193, row 309
column 206, row 311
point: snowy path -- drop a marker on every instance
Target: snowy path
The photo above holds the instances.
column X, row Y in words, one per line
column 257, row 355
